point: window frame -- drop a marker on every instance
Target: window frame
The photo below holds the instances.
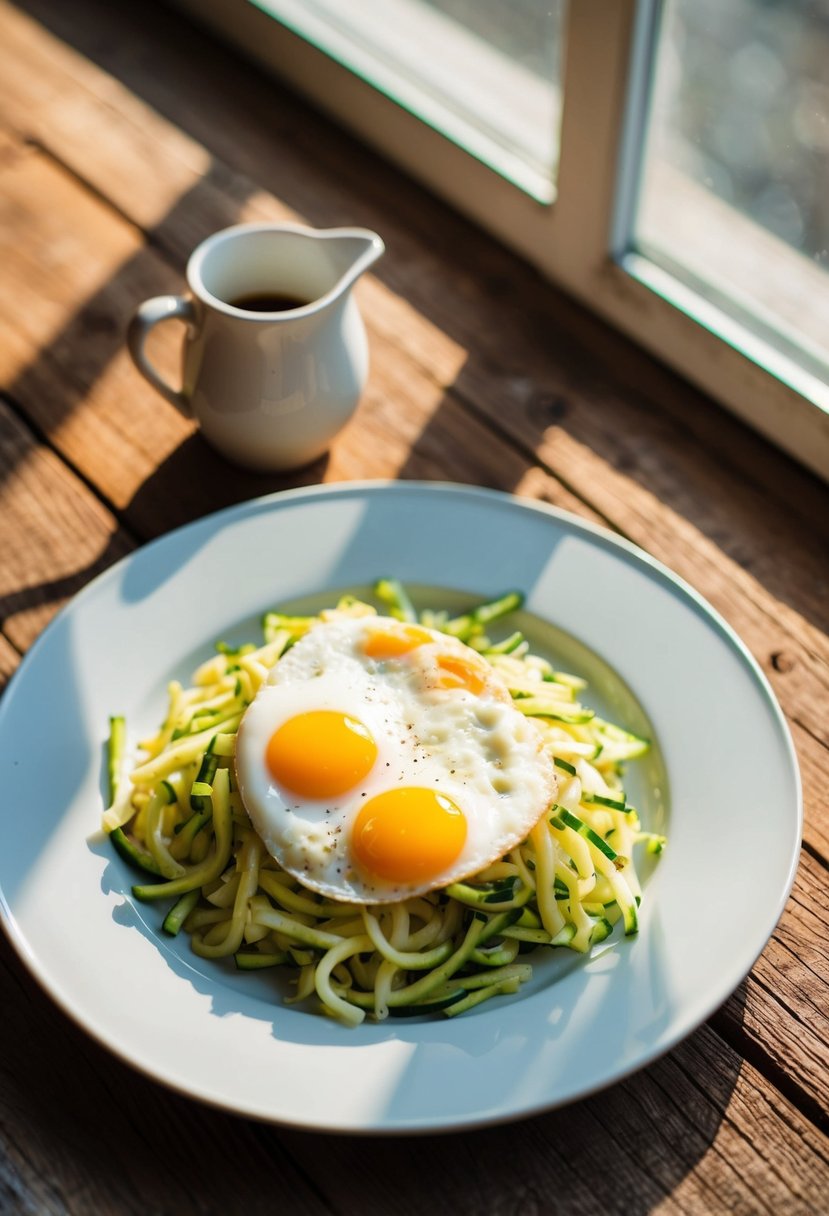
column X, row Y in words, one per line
column 580, row 242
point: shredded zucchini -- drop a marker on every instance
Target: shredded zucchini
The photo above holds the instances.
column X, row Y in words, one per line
column 178, row 817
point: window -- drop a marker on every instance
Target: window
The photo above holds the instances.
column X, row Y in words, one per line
column 439, row 58
column 734, row 195
column 666, row 161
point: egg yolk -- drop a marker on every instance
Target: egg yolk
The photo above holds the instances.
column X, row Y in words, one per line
column 456, row 671
column 320, row 754
column 391, row 643
column 408, row 835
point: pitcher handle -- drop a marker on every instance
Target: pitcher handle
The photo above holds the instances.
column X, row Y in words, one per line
column 148, row 314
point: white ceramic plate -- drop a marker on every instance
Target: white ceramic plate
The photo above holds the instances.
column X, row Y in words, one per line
column 658, row 659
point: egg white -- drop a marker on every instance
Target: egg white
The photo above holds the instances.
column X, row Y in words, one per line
column 475, row 749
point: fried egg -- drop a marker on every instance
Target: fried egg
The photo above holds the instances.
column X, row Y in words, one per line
column 382, row 760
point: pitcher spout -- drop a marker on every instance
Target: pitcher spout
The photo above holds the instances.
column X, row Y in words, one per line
column 351, row 251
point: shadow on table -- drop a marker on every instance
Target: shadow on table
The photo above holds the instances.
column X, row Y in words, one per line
column 174, row 494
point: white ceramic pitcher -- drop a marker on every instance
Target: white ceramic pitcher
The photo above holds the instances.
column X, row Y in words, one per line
column 275, row 355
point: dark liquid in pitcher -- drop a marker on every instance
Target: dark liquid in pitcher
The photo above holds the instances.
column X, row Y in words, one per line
column 268, row 301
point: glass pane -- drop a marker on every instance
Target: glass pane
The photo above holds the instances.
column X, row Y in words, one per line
column 735, row 188
column 485, row 73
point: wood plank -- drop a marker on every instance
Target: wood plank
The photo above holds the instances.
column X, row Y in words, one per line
column 750, row 1142
column 782, row 1008
column 56, row 534
column 40, row 94
column 33, row 56
column 73, row 272
column 9, row 660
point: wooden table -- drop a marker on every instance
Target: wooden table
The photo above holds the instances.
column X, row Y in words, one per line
column 125, row 137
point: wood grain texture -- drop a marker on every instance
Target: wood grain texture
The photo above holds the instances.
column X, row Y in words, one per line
column 73, row 274
column 56, row 534
column 781, row 1011
column 9, row 662
column 117, row 154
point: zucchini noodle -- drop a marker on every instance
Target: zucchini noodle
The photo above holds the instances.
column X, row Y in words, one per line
column 177, row 816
